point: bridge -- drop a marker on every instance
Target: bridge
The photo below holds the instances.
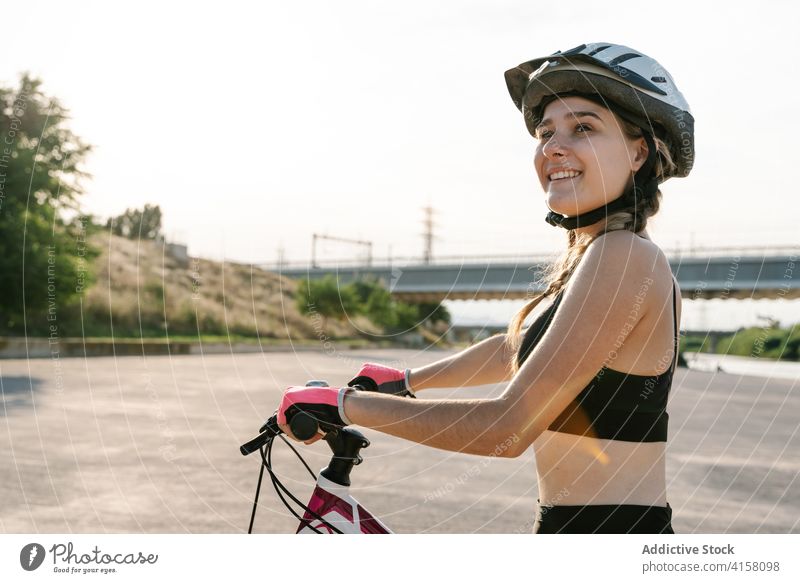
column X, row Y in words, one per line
column 727, row 273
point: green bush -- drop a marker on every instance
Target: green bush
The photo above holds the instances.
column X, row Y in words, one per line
column 368, row 297
column 695, row 344
column 326, row 298
column 762, row 343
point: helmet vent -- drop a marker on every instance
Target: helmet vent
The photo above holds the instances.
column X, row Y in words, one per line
column 598, row 49
column 623, row 58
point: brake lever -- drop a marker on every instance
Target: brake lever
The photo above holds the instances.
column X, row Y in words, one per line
column 268, row 431
column 271, row 425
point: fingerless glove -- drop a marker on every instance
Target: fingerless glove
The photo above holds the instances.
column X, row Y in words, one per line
column 383, row 379
column 325, row 404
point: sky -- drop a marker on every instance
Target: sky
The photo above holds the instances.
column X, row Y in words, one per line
column 255, row 125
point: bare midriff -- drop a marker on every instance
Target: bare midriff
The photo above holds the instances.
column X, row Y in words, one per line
column 577, row 470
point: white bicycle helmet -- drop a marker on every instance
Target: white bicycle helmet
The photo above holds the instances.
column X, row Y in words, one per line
column 636, row 87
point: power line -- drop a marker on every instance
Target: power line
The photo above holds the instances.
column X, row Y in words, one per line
column 315, row 236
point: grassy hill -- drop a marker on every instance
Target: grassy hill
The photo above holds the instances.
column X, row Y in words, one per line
column 141, row 290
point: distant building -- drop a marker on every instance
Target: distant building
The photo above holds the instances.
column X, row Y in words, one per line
column 178, row 251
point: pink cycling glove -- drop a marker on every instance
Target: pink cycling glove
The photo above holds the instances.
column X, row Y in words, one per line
column 383, row 379
column 325, row 404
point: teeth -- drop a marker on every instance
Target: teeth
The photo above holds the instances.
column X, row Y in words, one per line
column 564, row 174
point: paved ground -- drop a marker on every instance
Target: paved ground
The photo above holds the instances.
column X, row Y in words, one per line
column 151, row 445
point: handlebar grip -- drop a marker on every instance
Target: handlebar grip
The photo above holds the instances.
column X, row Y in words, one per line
column 269, row 430
column 254, row 444
column 303, row 426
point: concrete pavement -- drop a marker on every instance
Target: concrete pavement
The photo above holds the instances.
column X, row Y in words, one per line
column 137, row 444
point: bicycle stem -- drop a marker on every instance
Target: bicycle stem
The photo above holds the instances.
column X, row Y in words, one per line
column 345, row 443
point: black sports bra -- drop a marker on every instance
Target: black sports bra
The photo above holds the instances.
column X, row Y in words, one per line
column 614, row 405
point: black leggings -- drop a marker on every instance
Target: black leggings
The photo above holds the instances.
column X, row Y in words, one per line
column 603, row 519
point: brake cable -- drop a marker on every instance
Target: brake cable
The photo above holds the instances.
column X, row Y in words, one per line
column 266, row 462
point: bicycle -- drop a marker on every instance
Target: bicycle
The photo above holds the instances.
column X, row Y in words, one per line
column 331, row 506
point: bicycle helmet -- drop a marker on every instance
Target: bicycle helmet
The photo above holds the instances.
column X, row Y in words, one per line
column 632, row 85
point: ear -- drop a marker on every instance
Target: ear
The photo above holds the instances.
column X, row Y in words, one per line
column 639, row 153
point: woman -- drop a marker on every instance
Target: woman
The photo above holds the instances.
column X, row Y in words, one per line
column 590, row 377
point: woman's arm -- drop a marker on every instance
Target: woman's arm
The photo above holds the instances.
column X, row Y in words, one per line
column 484, row 363
column 595, row 312
column 476, row 426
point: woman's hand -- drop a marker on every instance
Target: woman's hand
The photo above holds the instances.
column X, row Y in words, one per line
column 325, row 404
column 383, row 379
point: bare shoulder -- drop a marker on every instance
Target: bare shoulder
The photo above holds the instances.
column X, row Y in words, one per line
column 627, row 258
column 636, row 269
column 624, row 245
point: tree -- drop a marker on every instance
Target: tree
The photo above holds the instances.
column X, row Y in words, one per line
column 406, row 317
column 377, row 303
column 379, row 307
column 369, row 297
column 43, row 252
column 433, row 313
column 326, row 298
column 137, row 224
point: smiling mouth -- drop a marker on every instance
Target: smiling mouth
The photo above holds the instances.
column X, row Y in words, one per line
column 564, row 175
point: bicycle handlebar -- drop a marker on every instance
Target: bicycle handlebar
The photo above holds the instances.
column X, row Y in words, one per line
column 303, row 426
column 267, row 432
column 344, row 442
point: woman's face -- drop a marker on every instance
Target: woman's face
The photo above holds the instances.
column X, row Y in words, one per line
column 583, row 157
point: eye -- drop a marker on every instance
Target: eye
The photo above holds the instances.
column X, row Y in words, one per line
column 581, row 128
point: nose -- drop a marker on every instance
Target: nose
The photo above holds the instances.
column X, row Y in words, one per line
column 553, row 148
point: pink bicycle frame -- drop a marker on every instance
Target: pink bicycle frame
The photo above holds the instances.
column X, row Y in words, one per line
column 334, row 503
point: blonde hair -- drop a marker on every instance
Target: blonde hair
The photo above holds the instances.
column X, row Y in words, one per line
column 556, row 275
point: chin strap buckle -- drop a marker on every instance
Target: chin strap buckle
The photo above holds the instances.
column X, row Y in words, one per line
column 554, row 219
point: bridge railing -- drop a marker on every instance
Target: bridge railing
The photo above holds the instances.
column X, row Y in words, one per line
column 525, row 258
column 389, row 262
column 754, row 251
